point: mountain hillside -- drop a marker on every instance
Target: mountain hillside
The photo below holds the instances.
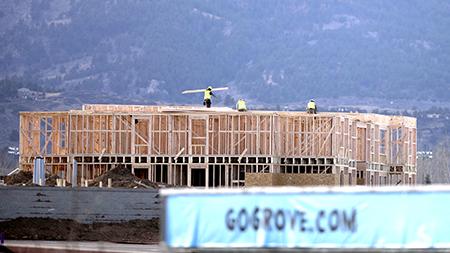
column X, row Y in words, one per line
column 266, row 51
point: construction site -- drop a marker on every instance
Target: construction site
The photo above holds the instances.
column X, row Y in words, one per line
column 221, row 147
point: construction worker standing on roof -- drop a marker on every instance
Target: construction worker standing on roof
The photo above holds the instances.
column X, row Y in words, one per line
column 311, row 108
column 207, row 97
column 240, row 105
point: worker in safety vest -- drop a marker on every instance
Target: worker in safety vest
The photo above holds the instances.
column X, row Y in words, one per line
column 207, row 97
column 240, row 105
column 311, row 108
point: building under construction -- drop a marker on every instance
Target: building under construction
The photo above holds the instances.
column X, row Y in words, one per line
column 220, row 147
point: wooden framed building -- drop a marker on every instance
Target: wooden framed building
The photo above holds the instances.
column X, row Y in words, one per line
column 220, row 147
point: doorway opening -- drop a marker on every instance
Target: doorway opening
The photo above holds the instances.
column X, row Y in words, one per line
column 198, row 177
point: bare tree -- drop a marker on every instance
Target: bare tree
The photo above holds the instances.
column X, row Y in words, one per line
column 437, row 169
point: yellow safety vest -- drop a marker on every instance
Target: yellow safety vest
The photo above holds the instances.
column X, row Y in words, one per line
column 207, row 95
column 311, row 105
column 241, row 105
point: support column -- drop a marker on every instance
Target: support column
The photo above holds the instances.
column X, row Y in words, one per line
column 189, row 175
column 170, row 173
column 150, row 173
column 207, row 176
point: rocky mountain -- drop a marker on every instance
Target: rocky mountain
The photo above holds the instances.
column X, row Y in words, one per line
column 378, row 56
column 267, row 51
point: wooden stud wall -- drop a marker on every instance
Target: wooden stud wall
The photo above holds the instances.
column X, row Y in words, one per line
column 179, row 139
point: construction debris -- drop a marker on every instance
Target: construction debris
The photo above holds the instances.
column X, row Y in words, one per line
column 51, row 180
column 122, row 177
column 19, row 178
column 25, row 178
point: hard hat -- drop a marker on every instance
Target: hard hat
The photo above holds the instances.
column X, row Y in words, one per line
column 209, row 87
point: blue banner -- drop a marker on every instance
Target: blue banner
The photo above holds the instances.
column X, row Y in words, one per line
column 298, row 218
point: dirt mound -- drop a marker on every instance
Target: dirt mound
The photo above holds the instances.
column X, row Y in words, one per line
column 51, row 180
column 122, row 177
column 135, row 231
column 26, row 178
column 19, row 178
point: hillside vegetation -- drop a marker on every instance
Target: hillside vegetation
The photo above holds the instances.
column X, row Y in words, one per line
column 267, row 51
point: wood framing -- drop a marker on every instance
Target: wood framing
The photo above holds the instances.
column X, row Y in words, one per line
column 220, row 147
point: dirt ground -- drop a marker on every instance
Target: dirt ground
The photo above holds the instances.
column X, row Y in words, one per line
column 135, row 231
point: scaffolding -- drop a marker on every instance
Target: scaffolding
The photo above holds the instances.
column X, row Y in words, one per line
column 220, row 147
